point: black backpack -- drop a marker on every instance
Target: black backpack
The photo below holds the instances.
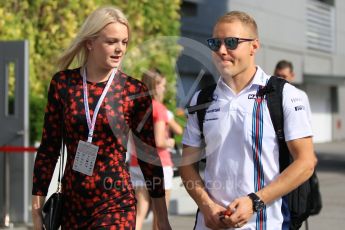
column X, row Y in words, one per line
column 304, row 200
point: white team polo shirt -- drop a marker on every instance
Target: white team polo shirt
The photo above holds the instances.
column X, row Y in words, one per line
column 241, row 146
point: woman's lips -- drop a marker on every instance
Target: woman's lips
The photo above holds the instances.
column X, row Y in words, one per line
column 115, row 58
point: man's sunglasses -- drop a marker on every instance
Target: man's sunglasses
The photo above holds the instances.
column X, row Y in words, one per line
column 231, row 43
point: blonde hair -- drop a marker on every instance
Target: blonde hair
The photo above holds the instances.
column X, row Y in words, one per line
column 151, row 79
column 243, row 17
column 94, row 23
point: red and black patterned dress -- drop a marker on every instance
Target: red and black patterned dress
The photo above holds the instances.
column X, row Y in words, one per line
column 106, row 199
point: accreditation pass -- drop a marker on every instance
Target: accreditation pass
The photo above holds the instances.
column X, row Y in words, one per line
column 85, row 158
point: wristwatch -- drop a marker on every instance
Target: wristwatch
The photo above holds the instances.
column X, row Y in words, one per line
column 258, row 204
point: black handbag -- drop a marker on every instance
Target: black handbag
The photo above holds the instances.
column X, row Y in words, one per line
column 52, row 209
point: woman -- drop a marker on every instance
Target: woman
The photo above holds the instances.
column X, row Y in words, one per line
column 155, row 82
column 102, row 196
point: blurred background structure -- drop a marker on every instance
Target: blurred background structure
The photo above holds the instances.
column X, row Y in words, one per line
column 309, row 33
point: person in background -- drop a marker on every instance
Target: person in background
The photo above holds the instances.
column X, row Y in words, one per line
column 174, row 127
column 156, row 84
column 86, row 101
column 284, row 69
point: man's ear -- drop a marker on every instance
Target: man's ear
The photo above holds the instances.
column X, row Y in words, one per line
column 293, row 75
column 254, row 47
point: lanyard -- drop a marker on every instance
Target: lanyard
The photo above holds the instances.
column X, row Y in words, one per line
column 91, row 124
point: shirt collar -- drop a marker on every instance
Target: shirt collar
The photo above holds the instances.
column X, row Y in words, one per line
column 260, row 79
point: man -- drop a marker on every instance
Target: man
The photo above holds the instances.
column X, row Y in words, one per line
column 284, row 69
column 242, row 163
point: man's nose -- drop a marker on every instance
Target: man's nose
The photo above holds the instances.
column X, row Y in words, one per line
column 222, row 49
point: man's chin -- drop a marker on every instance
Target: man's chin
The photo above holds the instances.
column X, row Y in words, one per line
column 226, row 71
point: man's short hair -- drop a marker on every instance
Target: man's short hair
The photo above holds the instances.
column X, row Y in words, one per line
column 243, row 17
column 284, row 64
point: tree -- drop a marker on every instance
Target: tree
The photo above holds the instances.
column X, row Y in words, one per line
column 50, row 25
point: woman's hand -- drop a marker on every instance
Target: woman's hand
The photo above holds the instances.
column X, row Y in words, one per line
column 37, row 219
column 37, row 205
column 170, row 142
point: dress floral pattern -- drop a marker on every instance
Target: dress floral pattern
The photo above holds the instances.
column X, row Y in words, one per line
column 106, row 199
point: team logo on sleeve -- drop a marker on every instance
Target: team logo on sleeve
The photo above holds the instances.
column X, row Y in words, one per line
column 296, row 99
column 213, row 110
column 300, row 107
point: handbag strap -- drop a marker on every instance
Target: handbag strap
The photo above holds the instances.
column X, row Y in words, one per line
column 62, row 150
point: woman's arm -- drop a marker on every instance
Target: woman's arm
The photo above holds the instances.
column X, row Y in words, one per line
column 49, row 149
column 37, row 206
column 162, row 141
column 175, row 127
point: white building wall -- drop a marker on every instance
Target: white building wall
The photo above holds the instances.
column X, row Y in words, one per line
column 338, row 70
column 340, row 22
column 320, row 99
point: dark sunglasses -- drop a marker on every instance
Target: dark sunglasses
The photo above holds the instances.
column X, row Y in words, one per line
column 231, row 43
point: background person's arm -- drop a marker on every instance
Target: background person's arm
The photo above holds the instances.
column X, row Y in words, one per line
column 162, row 141
column 173, row 125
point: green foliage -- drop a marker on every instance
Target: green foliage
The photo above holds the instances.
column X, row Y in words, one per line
column 50, row 26
column 37, row 105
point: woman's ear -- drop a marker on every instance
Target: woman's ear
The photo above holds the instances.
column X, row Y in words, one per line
column 88, row 44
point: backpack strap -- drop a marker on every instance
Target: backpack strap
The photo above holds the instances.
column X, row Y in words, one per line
column 204, row 100
column 274, row 96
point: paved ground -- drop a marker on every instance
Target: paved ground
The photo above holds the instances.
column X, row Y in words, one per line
column 331, row 173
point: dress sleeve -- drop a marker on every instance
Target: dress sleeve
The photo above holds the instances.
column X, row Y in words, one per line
column 141, row 124
column 49, row 149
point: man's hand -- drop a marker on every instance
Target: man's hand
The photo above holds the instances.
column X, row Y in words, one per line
column 212, row 213
column 241, row 210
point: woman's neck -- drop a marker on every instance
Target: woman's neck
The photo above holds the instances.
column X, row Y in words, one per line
column 96, row 74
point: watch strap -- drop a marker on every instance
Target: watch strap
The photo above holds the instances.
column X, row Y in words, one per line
column 258, row 204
